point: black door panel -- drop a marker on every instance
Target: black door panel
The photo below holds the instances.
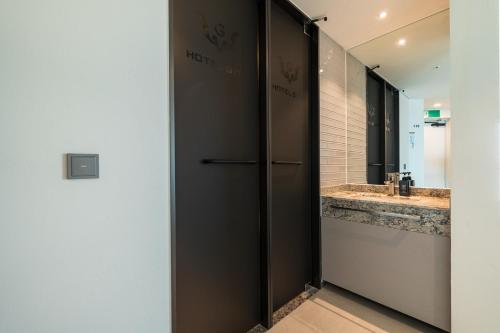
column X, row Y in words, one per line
column 217, row 175
column 290, row 154
column 382, row 103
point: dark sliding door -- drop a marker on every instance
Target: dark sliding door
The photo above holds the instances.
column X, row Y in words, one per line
column 216, row 124
column 290, row 154
column 391, row 129
column 376, row 129
column 383, row 128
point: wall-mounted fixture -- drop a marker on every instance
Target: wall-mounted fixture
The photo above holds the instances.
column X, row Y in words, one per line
column 412, row 141
column 82, row 166
column 318, row 19
column 307, row 24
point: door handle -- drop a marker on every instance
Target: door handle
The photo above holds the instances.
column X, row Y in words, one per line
column 287, row 162
column 376, row 164
column 233, row 162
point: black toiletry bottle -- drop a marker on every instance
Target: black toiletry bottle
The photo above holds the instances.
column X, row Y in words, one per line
column 405, row 185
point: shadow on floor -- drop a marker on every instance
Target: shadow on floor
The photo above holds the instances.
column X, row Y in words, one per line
column 335, row 310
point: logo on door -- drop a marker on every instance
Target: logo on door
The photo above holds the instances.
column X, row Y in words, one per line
column 291, row 74
column 217, row 35
column 372, row 111
column 388, row 123
column 289, row 71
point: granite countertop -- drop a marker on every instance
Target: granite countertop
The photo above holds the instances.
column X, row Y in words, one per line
column 416, row 201
column 427, row 211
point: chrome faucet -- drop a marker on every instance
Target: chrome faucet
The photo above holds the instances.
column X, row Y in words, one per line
column 391, row 179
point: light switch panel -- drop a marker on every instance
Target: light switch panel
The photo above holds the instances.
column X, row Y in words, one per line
column 83, row 166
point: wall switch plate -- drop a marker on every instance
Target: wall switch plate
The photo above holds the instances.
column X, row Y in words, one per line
column 82, row 166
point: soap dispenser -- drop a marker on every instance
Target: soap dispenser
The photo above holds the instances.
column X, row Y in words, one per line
column 405, row 185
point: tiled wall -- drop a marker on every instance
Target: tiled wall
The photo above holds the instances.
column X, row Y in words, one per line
column 356, row 121
column 332, row 113
column 343, row 115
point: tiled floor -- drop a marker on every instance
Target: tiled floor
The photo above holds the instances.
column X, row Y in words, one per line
column 333, row 310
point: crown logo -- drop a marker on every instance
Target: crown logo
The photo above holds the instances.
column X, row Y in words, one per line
column 289, row 71
column 217, row 35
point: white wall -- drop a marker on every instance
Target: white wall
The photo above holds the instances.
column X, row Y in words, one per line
column 435, row 156
column 416, row 155
column 85, row 255
column 475, row 231
column 448, row 160
column 411, row 137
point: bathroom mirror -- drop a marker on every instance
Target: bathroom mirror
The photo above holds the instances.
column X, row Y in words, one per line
column 408, row 113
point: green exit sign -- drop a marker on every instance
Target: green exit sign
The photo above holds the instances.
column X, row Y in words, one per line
column 434, row 113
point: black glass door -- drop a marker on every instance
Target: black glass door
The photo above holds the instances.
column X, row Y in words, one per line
column 217, row 262
column 290, row 154
column 391, row 129
column 375, row 129
column 382, row 101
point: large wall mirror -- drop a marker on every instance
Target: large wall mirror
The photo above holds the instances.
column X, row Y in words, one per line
column 385, row 106
column 413, row 65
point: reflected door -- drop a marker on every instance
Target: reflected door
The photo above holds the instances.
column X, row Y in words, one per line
column 375, row 129
column 217, row 261
column 382, row 103
column 290, row 170
column 391, row 129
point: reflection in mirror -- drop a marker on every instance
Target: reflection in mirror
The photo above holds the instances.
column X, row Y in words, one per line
column 407, row 102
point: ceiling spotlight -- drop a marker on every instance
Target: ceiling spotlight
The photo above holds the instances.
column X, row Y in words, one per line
column 437, row 105
column 382, row 15
column 321, row 70
column 402, row 42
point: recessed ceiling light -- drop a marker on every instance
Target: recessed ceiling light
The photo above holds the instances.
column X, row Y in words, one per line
column 402, row 42
column 321, row 70
column 382, row 15
column 437, row 105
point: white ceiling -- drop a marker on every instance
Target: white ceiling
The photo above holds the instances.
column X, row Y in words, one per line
column 412, row 68
column 355, row 25
column 353, row 22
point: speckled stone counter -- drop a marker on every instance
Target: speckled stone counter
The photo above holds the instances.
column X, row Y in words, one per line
column 427, row 211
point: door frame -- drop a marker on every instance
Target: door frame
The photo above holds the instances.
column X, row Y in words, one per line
column 265, row 157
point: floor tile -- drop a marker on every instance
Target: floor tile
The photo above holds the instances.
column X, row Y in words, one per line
column 291, row 325
column 324, row 320
column 334, row 310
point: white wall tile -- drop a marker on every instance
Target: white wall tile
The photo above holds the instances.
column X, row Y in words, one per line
column 332, row 113
column 342, row 115
column 356, row 120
